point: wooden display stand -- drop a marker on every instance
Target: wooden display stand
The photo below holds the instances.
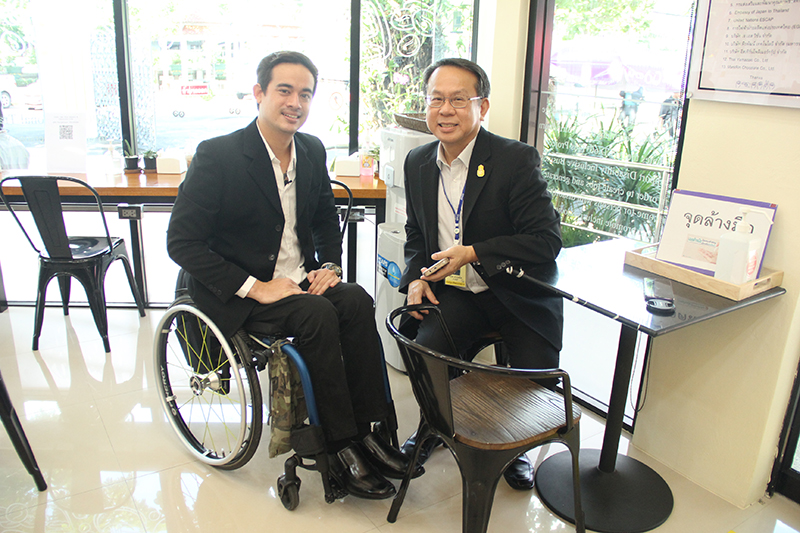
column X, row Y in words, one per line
column 644, row 258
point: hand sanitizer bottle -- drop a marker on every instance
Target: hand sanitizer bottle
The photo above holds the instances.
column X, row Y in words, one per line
column 738, row 255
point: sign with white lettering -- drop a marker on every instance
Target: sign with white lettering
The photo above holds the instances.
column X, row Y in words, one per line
column 747, row 51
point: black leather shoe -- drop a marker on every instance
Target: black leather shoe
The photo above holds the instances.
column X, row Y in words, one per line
column 386, row 459
column 353, row 472
column 408, row 447
column 519, row 474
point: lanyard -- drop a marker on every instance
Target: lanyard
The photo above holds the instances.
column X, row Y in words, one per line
column 456, row 212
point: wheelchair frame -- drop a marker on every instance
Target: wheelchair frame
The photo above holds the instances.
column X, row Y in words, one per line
column 211, row 394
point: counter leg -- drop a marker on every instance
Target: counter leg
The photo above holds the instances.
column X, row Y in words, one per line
column 137, row 253
column 620, row 494
column 352, row 256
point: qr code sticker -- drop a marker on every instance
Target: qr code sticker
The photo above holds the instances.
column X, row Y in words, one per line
column 65, row 132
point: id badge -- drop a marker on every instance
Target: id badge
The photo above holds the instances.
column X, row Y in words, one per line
column 457, row 279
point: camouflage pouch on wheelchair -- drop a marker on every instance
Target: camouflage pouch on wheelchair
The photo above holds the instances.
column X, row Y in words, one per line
column 287, row 404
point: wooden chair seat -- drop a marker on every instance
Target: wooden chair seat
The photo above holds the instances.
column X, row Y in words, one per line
column 495, row 412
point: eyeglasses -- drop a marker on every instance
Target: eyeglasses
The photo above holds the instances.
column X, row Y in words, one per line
column 458, row 102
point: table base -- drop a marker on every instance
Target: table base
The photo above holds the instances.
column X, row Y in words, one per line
column 632, row 499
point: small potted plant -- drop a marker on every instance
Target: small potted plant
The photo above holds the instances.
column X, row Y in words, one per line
column 149, row 158
column 375, row 152
column 131, row 159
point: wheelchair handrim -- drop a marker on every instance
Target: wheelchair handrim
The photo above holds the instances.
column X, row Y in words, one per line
column 171, row 408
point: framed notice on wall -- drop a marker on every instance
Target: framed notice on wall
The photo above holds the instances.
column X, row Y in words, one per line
column 747, row 51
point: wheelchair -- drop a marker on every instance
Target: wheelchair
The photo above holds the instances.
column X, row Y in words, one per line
column 210, row 391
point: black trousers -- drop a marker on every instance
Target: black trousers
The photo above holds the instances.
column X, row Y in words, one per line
column 470, row 316
column 337, row 337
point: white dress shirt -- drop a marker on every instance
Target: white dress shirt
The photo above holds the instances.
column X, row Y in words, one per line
column 290, row 259
column 452, row 183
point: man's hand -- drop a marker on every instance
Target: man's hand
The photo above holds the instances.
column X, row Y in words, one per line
column 459, row 256
column 418, row 290
column 321, row 280
column 271, row 291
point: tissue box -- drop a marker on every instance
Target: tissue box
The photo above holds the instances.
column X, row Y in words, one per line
column 171, row 165
column 348, row 166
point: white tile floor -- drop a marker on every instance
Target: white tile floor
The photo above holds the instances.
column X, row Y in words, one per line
column 113, row 463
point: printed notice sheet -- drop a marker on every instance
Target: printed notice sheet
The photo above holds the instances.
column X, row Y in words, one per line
column 65, row 139
column 750, row 47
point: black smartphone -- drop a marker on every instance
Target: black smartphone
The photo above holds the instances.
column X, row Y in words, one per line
column 437, row 266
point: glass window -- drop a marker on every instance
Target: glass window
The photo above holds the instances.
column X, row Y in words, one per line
column 43, row 74
column 194, row 65
column 398, row 42
column 611, row 118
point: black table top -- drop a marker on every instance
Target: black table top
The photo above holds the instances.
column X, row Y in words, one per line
column 596, row 276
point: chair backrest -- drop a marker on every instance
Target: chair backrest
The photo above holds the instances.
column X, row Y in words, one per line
column 44, row 201
column 349, row 207
column 430, row 372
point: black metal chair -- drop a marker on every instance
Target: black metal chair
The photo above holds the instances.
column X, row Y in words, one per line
column 85, row 258
column 17, row 436
column 494, row 339
column 487, row 417
column 344, row 211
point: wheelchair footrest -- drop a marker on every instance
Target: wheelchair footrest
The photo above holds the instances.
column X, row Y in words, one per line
column 307, row 441
column 333, row 491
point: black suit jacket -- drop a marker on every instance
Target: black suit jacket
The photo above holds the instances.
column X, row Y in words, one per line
column 509, row 219
column 227, row 220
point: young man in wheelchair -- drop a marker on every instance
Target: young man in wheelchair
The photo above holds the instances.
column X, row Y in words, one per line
column 255, row 227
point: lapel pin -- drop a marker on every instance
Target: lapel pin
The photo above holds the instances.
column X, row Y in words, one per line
column 481, row 171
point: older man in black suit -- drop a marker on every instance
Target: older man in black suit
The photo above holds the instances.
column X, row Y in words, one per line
column 255, row 227
column 479, row 201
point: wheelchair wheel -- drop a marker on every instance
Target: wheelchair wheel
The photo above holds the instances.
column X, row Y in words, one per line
column 211, row 398
column 289, row 492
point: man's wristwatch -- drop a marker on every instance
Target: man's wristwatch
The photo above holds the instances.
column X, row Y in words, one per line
column 334, row 267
